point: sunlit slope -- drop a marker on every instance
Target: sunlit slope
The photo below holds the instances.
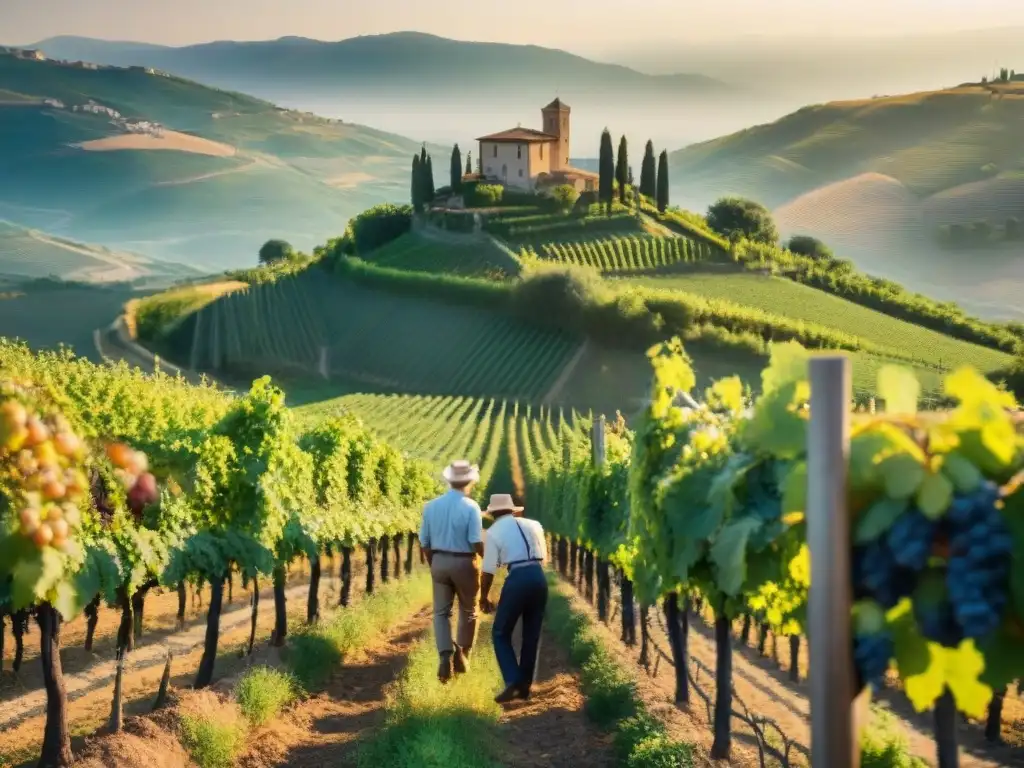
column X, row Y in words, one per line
column 314, row 324
column 929, row 142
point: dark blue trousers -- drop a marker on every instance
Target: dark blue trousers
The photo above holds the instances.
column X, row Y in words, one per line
column 525, row 594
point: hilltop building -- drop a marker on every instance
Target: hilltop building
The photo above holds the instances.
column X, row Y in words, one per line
column 527, row 158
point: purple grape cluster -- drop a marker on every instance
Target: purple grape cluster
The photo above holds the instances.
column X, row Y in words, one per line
column 871, row 654
column 910, row 540
column 878, row 575
column 980, row 558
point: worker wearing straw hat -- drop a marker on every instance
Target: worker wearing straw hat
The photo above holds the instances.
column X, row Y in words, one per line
column 451, row 537
column 518, row 544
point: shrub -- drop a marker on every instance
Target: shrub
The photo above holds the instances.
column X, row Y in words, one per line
column 565, row 196
column 806, row 245
column 482, row 195
column 263, row 692
column 379, row 225
column 737, row 217
column 561, row 297
column 274, row 251
column 210, row 743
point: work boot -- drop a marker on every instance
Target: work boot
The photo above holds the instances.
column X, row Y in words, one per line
column 460, row 660
column 513, row 692
column 444, row 669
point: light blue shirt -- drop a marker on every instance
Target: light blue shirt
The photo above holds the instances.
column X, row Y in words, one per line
column 451, row 523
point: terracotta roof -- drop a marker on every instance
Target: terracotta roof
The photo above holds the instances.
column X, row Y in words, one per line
column 556, row 104
column 519, row 134
column 570, row 172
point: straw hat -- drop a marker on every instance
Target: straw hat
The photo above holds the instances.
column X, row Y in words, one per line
column 461, row 471
column 501, row 503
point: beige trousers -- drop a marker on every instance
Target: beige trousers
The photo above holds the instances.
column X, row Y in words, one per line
column 455, row 577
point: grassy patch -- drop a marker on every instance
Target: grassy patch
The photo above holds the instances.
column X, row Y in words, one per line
column 883, row 745
column 435, row 726
column 263, row 692
column 211, row 744
column 612, row 700
column 315, row 652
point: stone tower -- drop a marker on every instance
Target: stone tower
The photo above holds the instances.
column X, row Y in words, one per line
column 556, row 123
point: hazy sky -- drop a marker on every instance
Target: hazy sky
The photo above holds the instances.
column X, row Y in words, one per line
column 579, row 25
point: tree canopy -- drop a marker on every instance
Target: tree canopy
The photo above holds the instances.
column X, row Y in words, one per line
column 738, row 217
column 274, row 251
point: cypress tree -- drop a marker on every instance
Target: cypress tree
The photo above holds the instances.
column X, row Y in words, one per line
column 417, row 185
column 456, row 169
column 622, row 169
column 648, row 173
column 663, row 181
column 606, row 167
column 469, row 163
column 428, row 185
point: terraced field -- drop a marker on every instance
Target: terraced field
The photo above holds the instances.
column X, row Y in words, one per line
column 635, row 253
column 781, row 296
column 501, row 436
column 449, row 254
column 314, row 325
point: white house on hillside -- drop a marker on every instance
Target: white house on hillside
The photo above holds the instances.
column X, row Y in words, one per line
column 526, row 158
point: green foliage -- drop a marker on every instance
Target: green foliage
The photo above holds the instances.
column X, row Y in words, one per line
column 606, row 170
column 274, row 251
column 736, row 218
column 622, row 169
column 434, row 726
column 262, row 694
column 379, row 225
column 648, row 173
column 456, row 170
column 315, row 652
column 211, row 743
column 566, row 196
column 662, row 193
column 612, row 701
column 483, row 195
column 805, row 245
column 883, row 745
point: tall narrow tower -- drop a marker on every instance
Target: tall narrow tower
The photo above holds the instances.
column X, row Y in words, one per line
column 556, row 123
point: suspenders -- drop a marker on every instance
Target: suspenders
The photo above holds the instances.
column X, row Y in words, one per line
column 529, row 550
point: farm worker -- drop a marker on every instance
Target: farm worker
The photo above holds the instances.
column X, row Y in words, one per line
column 518, row 544
column 451, row 538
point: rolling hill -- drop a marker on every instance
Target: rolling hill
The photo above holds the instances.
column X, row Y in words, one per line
column 883, row 174
column 27, row 254
column 408, row 78
column 137, row 160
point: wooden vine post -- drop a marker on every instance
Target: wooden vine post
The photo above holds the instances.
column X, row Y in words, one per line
column 834, row 731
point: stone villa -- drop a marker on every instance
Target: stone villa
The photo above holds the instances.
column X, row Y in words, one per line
column 526, row 158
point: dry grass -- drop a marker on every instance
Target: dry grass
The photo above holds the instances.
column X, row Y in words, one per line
column 170, row 140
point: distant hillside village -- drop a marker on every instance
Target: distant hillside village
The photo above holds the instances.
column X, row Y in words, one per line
column 91, row 106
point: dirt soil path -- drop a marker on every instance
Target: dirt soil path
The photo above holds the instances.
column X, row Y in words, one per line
column 551, row 729
column 762, row 686
column 327, row 729
column 89, row 676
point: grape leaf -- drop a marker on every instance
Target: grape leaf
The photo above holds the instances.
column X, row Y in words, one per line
column 965, row 476
column 902, row 474
column 1004, row 662
column 934, row 495
column 788, row 364
column 927, row 668
column 899, row 388
column 878, row 519
column 729, row 553
column 794, row 494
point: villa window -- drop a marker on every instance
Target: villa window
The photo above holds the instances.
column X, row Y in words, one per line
column 541, row 151
column 520, row 173
column 519, row 151
column 495, row 150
